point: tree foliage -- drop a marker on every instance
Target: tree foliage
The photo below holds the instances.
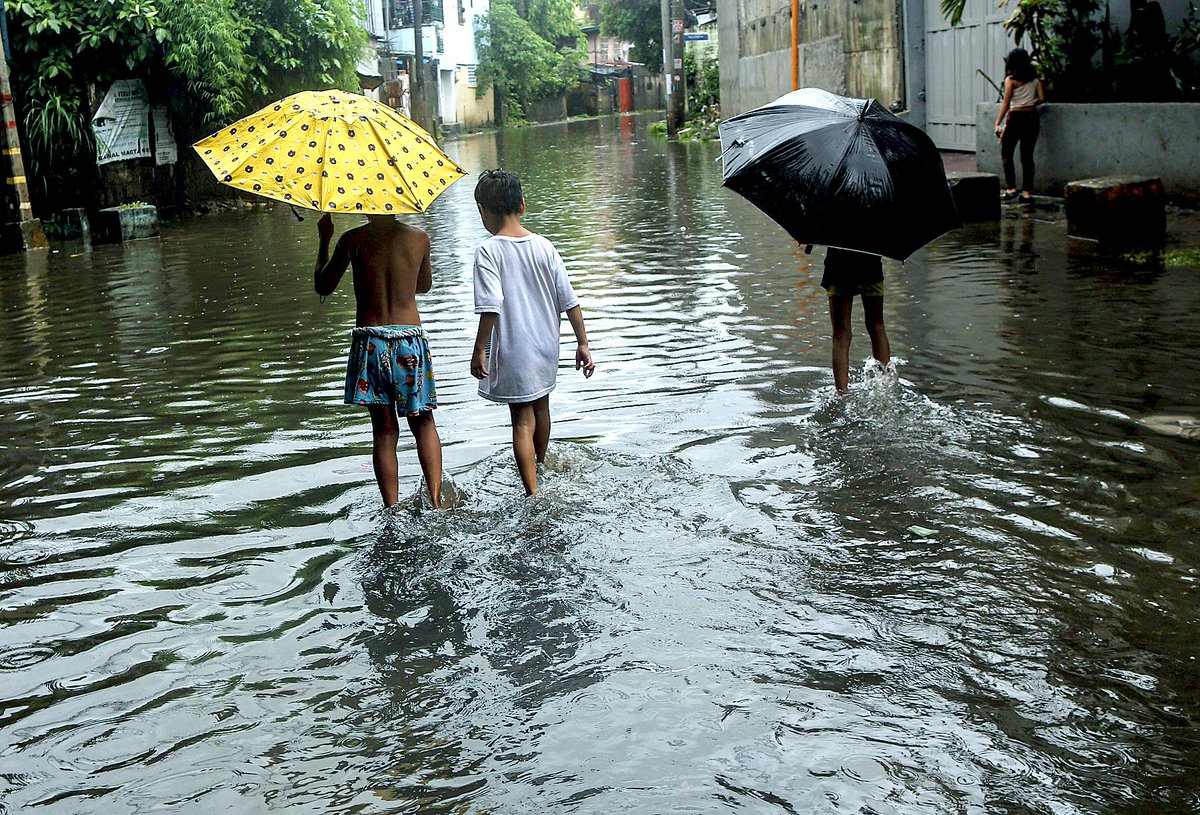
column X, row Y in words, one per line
column 1082, row 58
column 526, row 58
column 638, row 22
column 214, row 59
column 1064, row 37
column 703, row 82
column 554, row 21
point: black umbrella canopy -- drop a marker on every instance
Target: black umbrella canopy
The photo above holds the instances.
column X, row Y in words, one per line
column 842, row 172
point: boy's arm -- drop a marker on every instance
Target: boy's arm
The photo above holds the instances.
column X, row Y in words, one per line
column 583, row 354
column 425, row 274
column 329, row 271
column 487, row 321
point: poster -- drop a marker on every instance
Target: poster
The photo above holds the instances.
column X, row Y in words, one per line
column 122, row 124
column 165, row 149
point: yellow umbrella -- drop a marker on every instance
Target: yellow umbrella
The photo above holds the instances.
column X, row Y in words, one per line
column 333, row 152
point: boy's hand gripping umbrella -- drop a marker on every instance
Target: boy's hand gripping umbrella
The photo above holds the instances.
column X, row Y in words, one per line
column 333, row 152
column 839, row 172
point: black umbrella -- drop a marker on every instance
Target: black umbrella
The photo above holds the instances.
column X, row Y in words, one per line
column 840, row 172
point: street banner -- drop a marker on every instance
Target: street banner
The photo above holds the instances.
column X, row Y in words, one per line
column 165, row 149
column 122, row 124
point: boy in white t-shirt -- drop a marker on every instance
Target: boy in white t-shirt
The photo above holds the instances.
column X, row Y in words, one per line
column 521, row 291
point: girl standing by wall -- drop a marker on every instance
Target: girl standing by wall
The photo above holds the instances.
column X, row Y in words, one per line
column 1018, row 122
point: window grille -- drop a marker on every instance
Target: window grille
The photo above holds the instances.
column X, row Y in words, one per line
column 400, row 13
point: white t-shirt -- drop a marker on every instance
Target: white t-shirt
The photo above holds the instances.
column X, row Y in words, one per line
column 524, row 281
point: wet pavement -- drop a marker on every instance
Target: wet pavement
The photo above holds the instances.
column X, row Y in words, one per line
column 971, row 588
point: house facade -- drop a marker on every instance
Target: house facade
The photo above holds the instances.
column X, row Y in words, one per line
column 448, row 51
column 701, row 37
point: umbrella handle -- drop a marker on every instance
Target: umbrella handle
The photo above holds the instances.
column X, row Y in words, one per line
column 299, row 217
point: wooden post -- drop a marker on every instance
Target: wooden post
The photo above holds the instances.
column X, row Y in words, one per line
column 677, row 86
column 22, row 231
column 668, row 52
column 416, row 82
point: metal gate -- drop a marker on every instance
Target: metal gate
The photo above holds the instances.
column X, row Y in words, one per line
column 953, row 59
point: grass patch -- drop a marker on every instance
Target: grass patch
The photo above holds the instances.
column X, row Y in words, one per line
column 694, row 130
column 1171, row 258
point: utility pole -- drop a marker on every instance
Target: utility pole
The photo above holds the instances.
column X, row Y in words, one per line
column 21, row 231
column 675, row 114
column 416, row 93
column 668, row 54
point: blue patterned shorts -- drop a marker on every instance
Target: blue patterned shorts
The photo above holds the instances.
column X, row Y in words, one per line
column 391, row 365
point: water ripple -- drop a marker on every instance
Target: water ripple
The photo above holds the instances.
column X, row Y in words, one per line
column 967, row 587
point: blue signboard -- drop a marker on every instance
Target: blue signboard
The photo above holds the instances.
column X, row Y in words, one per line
column 695, row 37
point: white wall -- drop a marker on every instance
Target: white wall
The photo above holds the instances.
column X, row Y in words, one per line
column 457, row 42
column 460, row 51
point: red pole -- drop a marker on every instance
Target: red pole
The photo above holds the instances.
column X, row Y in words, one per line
column 795, row 45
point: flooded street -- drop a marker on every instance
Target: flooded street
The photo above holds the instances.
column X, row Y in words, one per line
column 719, row 605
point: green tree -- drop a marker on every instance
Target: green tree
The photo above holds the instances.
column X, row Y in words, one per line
column 1064, row 38
column 703, row 82
column 554, row 21
column 213, row 59
column 639, row 23
column 531, row 57
column 295, row 45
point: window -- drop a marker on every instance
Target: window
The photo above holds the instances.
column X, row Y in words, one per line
column 399, row 13
column 472, row 77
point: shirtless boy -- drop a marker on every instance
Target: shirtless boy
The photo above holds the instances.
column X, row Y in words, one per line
column 389, row 370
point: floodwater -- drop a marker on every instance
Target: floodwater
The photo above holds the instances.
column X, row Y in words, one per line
column 968, row 588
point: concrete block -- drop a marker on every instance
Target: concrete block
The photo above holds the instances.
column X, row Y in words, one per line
column 976, row 195
column 1120, row 211
column 69, row 225
column 117, row 224
column 22, row 236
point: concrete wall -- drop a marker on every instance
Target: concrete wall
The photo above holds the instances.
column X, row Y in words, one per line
column 588, row 99
column 846, row 46
column 704, row 50
column 592, row 100
column 1085, row 141
column 472, row 110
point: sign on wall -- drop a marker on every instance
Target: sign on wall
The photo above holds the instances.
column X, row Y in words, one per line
column 122, row 124
column 165, row 149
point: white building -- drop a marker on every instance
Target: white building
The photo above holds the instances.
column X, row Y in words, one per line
column 447, row 43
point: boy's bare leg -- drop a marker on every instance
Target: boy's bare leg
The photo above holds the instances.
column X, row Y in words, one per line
column 541, row 433
column 429, row 453
column 873, row 314
column 524, row 427
column 385, row 430
column 840, row 309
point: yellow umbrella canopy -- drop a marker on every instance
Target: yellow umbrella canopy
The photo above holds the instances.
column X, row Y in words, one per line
column 333, row 152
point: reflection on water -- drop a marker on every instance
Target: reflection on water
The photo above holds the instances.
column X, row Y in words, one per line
column 719, row 604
